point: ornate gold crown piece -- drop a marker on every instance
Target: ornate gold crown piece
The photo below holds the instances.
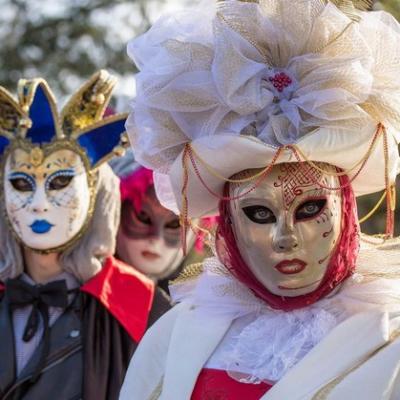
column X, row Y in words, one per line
column 34, row 122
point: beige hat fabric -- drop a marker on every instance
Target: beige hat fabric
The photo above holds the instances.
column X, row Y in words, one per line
column 234, row 85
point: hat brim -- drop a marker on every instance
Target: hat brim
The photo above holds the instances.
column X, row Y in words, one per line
column 226, row 155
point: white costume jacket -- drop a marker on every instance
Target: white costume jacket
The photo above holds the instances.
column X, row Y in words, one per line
column 359, row 358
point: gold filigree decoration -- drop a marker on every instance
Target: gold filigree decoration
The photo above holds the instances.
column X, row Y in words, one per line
column 36, row 156
column 89, row 103
column 82, row 113
column 156, row 394
column 325, row 391
column 190, row 272
column 11, row 114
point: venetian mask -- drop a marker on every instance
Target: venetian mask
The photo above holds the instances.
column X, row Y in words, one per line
column 149, row 239
column 49, row 159
column 287, row 228
column 47, row 204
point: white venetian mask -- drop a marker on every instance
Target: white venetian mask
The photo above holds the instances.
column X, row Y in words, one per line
column 287, row 228
column 47, row 203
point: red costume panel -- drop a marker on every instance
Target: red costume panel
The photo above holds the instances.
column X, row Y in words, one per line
column 126, row 293
column 214, row 384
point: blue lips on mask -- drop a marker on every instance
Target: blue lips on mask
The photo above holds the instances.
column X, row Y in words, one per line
column 41, row 226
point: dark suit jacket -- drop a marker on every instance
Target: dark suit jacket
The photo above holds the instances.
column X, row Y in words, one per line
column 91, row 343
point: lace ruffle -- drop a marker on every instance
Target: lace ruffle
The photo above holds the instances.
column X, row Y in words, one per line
column 274, row 342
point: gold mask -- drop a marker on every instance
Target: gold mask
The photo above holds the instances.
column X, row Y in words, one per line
column 287, row 228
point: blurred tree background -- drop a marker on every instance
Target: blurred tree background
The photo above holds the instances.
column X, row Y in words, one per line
column 393, row 6
column 65, row 41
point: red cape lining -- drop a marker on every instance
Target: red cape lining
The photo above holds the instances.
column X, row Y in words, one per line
column 126, row 293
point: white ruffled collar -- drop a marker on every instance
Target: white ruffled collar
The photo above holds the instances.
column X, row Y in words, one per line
column 264, row 347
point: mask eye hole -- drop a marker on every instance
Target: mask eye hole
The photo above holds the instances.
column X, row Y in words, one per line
column 173, row 224
column 143, row 217
column 310, row 209
column 60, row 180
column 259, row 214
column 22, row 182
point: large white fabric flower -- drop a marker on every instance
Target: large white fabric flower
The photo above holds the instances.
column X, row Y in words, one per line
column 273, row 69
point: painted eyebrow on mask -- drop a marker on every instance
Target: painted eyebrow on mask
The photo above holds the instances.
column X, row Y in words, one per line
column 18, row 165
column 69, row 172
column 23, row 175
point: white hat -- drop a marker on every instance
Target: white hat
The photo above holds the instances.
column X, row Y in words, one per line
column 240, row 84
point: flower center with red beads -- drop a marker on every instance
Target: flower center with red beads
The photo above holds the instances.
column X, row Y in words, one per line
column 280, row 81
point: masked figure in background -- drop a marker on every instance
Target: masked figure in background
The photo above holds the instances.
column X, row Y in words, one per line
column 70, row 314
column 276, row 113
column 149, row 236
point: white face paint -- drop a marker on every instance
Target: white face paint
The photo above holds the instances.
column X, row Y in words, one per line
column 287, row 228
column 149, row 240
column 149, row 256
column 47, row 205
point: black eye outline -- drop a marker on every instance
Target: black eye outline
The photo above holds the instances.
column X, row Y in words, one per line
column 18, row 179
column 250, row 212
column 173, row 224
column 320, row 204
column 143, row 217
column 59, row 180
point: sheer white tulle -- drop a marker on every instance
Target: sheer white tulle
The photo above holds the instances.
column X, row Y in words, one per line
column 211, row 70
column 263, row 344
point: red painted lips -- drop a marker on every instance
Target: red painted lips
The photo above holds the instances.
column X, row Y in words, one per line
column 290, row 267
column 150, row 255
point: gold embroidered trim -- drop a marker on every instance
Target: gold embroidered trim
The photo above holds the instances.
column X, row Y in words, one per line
column 190, row 272
column 325, row 391
column 157, row 391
